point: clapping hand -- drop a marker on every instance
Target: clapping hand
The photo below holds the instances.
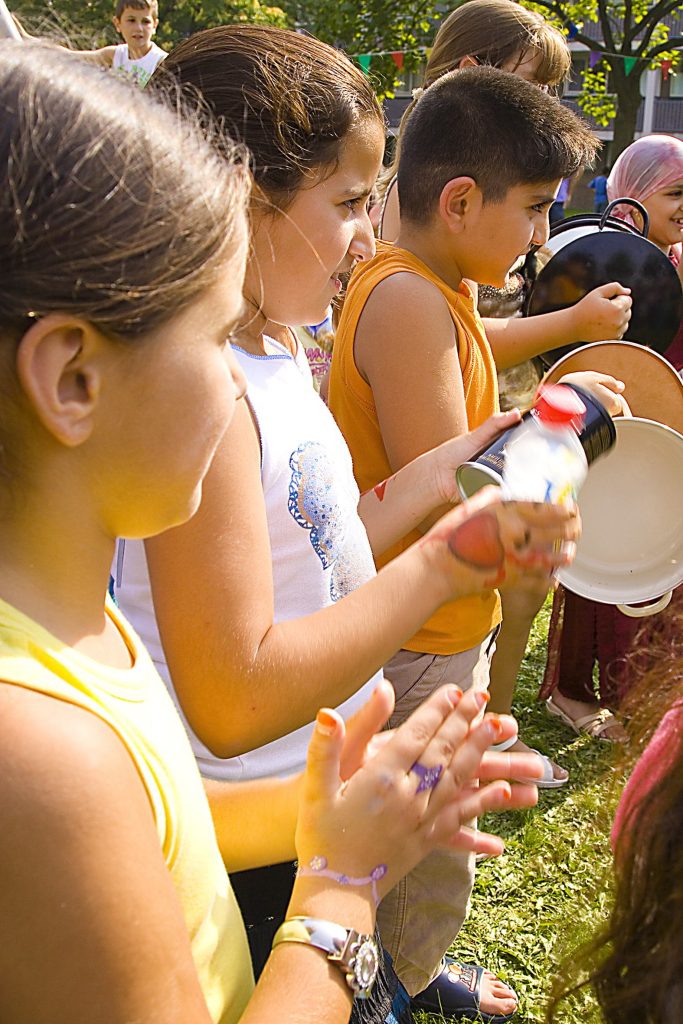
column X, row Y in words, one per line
column 390, row 800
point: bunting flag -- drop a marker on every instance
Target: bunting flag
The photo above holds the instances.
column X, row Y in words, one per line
column 594, row 56
column 572, row 31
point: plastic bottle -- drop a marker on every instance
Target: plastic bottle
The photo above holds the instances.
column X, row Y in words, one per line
column 544, row 458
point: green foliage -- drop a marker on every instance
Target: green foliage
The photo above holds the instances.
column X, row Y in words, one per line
column 180, row 18
column 633, row 29
column 88, row 24
column 595, row 101
column 372, row 26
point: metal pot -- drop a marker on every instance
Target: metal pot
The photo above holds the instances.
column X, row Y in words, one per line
column 591, row 250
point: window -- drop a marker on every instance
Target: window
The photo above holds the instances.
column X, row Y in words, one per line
column 579, row 64
column 410, row 80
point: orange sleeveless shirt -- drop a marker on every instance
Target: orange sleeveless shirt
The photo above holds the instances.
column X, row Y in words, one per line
column 464, row 623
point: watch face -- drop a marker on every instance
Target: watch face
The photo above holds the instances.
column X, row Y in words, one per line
column 364, row 967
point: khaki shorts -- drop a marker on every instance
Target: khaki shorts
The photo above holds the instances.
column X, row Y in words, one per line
column 419, row 919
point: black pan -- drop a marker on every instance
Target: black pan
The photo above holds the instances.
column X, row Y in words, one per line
column 608, row 250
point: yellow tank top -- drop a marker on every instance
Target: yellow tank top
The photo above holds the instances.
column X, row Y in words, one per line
column 135, row 703
column 461, row 624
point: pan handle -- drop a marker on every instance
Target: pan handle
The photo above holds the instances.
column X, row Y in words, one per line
column 640, row 611
column 626, row 201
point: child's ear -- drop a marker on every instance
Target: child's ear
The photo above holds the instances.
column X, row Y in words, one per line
column 460, row 199
column 59, row 369
column 468, row 62
column 117, row 24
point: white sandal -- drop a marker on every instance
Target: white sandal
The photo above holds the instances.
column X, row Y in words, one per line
column 547, row 780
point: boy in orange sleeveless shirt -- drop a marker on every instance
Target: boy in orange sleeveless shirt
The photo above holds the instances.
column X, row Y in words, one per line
column 481, row 160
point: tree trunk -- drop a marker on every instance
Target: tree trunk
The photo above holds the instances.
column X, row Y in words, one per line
column 627, row 88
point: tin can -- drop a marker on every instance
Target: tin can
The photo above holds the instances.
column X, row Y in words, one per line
column 597, row 436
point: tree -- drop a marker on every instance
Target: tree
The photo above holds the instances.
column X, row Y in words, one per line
column 88, row 24
column 377, row 27
column 634, row 37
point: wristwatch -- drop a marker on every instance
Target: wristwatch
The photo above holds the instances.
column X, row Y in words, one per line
column 357, row 956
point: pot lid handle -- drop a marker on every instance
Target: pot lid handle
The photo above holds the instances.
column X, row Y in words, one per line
column 627, row 201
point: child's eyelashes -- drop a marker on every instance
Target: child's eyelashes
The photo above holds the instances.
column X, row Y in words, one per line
column 357, row 202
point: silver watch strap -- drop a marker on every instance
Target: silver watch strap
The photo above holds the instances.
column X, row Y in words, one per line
column 325, row 935
column 356, row 955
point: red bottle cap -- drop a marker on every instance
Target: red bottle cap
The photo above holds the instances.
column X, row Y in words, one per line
column 560, row 406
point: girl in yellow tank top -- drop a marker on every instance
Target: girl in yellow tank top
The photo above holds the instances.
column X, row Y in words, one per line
column 117, row 388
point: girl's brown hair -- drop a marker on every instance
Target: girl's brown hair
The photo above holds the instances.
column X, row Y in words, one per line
column 113, row 208
column 493, row 33
column 496, row 32
column 288, row 97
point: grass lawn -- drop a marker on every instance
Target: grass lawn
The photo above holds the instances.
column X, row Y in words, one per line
column 533, row 905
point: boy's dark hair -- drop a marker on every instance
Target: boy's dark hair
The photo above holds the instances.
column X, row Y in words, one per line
column 492, row 126
column 138, row 5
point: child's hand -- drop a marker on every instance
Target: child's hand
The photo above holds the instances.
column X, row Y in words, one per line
column 451, row 454
column 489, row 543
column 603, row 314
column 387, row 813
column 606, row 389
column 363, row 737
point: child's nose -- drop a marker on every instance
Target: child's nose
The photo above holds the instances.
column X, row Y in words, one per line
column 541, row 231
column 363, row 246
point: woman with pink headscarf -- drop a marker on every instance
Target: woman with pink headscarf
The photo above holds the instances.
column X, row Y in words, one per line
column 583, row 632
column 651, row 171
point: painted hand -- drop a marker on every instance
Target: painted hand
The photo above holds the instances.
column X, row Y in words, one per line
column 448, row 456
column 489, row 543
column 383, row 815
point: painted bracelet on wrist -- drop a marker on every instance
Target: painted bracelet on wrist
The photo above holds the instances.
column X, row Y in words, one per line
column 318, row 866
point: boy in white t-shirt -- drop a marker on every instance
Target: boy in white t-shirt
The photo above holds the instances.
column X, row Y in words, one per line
column 137, row 56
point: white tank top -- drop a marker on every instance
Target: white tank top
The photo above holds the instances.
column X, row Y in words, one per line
column 138, row 68
column 320, row 550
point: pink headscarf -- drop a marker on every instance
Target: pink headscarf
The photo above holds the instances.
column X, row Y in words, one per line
column 645, row 167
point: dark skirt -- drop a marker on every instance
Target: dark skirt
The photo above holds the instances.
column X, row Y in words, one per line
column 581, row 633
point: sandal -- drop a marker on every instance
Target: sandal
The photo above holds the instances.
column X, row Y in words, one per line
column 455, row 993
column 547, row 780
column 595, row 724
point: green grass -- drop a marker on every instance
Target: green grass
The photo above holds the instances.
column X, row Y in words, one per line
column 544, row 896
